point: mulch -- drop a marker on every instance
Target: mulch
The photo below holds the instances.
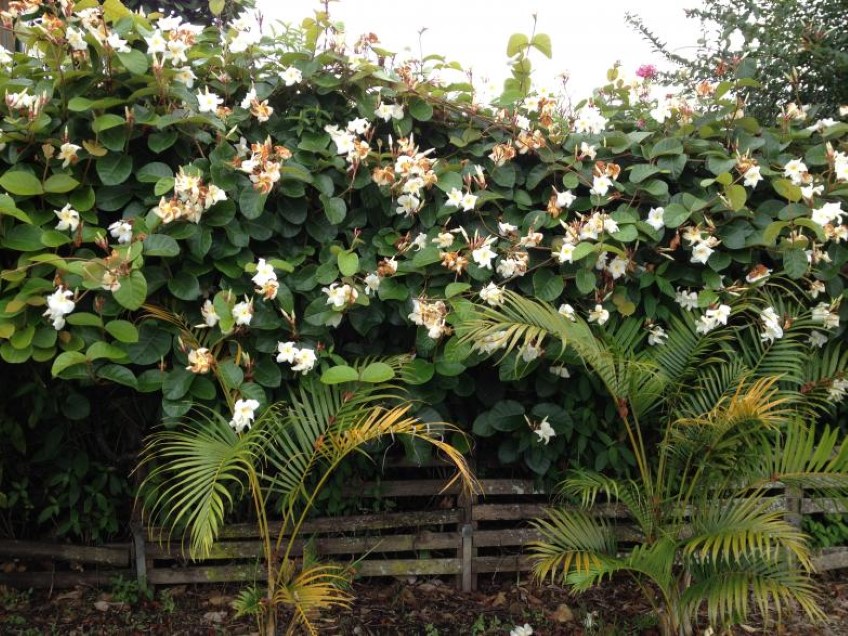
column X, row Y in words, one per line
column 426, row 607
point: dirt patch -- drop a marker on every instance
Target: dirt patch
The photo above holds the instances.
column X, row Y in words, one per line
column 424, row 607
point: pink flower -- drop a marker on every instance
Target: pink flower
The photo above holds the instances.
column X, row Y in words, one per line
column 646, row 71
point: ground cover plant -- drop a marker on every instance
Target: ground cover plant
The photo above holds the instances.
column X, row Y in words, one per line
column 199, row 217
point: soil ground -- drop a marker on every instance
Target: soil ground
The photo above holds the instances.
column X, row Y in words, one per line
column 424, row 607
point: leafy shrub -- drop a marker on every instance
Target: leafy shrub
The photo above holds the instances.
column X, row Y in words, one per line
column 182, row 203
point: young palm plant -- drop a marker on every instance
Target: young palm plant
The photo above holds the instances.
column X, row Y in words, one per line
column 715, row 421
column 200, row 469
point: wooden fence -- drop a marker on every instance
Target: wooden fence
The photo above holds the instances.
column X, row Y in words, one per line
column 437, row 533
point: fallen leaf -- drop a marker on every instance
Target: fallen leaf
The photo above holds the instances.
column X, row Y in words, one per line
column 102, row 606
column 219, row 600
column 563, row 614
column 498, row 600
column 73, row 595
column 215, row 617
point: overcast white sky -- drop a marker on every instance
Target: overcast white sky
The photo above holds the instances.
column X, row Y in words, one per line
column 588, row 37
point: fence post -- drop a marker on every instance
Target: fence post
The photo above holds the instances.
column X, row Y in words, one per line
column 793, row 497
column 468, row 582
column 139, row 553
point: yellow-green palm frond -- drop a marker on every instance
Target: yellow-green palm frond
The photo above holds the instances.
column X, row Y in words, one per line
column 744, row 529
column 758, row 404
column 803, row 458
column 728, row 589
column 572, row 542
column 315, row 587
column 196, row 470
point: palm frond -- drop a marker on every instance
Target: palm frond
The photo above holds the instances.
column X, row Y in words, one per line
column 316, row 586
column 727, row 590
column 587, row 485
column 572, row 541
column 197, row 468
column 744, row 529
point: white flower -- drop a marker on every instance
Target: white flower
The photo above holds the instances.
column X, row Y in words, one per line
column 68, row 154
column 772, row 327
column 389, row 111
column 588, row 151
column 264, row 273
column 545, row 433
column 358, row 126
column 243, row 312
column 589, row 120
column 248, row 98
column 156, row 43
column 523, row 630
column 208, row 102
column 506, row 228
column 564, row 199
column 443, row 240
column 76, row 39
column 822, row 314
column 468, row 201
column 454, row 198
column 122, row 231
column 810, row 190
column 304, row 361
column 599, row 315
column 210, row 316
column 483, row 255
column 758, row 273
column 184, row 75
column 244, row 412
column 59, row 304
column 657, row 335
column 340, row 296
column 560, row 371
column 568, row 311
column 244, row 40
column 408, row 204
column 656, row 219
column 565, row 254
column 492, row 294
column 838, row 390
column 291, row 76
column 372, row 283
column 686, row 300
column 794, row 170
column 720, row 314
column 419, row 242
column 752, row 177
column 661, row 111
column 618, row 267
column 530, row 351
column 286, row 351
column 701, row 253
column 69, row 218
column 600, row 185
column 828, row 213
column 117, row 44
column 610, row 225
column 816, row 287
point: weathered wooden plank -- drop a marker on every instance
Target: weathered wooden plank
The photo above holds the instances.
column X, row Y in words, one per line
column 508, row 537
column 402, row 488
column 408, row 567
column 63, row 579
column 205, row 574
column 350, row 524
column 831, row 559
column 117, row 555
column 507, row 512
column 495, row 564
column 325, row 545
column 521, row 487
column 815, row 505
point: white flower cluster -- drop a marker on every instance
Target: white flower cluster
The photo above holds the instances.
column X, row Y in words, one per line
column 259, row 109
column 262, row 163
column 69, row 218
column 192, row 197
column 302, row 359
column 245, row 32
column 411, row 173
column 772, row 325
column 545, row 433
column 430, row 314
column 490, row 343
column 121, row 230
column 824, row 315
column 265, row 280
column 244, row 412
column 838, row 389
column 348, row 141
column 712, row 318
column 702, row 246
column 492, row 295
column 589, row 120
column 656, row 335
column 59, row 305
column 23, row 103
column 340, row 296
column 170, row 43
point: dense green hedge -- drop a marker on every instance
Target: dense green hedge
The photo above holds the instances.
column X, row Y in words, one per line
column 205, row 216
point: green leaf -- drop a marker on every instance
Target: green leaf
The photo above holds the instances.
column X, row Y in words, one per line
column 376, row 372
column 585, row 280
column 107, row 121
column 8, row 207
column 674, row 215
column 795, row 262
column 153, row 171
column 547, row 286
column 177, row 383
column 114, row 168
column 736, row 196
column 165, row 184
column 161, row 245
column 184, row 286
column 101, row 349
column 340, row 374
column 420, row 110
column 772, row 231
column 160, row 141
column 122, row 330
column 21, row 183
column 642, row 171
column 455, row 289
column 418, row 371
column 335, row 209
column 117, row 374
column 84, row 319
column 65, row 360
column 506, row 416
column 133, row 291
column 216, row 7
column 667, row 146
column 60, row 183
column 134, row 61
column 517, row 42
column 542, row 43
column 787, row 189
column 348, row 263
